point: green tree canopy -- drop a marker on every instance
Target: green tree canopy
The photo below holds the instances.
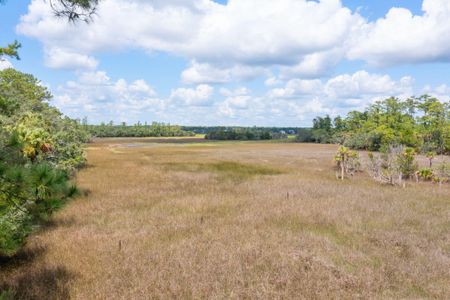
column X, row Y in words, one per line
column 420, row 122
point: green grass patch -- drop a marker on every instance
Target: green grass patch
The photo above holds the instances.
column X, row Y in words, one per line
column 226, row 169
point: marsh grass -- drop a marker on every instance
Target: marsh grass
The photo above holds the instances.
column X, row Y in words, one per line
column 299, row 225
column 225, row 169
column 241, row 220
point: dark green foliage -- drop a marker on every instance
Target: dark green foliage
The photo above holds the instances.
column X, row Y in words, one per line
column 273, row 130
column 322, row 131
column 304, row 135
column 242, row 134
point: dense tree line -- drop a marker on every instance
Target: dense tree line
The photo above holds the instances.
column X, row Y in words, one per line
column 208, row 129
column 422, row 123
column 244, row 134
column 39, row 151
column 137, row 130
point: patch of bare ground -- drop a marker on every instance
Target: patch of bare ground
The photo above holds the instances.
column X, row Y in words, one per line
column 235, row 220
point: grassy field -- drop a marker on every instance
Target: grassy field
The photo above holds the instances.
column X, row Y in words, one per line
column 235, row 220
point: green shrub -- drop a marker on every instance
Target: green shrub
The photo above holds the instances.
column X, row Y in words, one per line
column 426, row 174
column 407, row 162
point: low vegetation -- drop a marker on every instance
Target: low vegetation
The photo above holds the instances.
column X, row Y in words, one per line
column 235, row 220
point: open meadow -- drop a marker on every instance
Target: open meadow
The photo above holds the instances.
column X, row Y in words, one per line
column 227, row 220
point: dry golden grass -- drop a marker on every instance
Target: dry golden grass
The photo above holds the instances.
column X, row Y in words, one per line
column 235, row 220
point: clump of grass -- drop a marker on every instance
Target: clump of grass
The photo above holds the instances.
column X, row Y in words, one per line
column 7, row 295
column 298, row 224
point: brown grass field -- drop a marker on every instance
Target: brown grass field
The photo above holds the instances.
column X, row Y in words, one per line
column 246, row 220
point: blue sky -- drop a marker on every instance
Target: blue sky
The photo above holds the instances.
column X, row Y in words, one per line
column 241, row 62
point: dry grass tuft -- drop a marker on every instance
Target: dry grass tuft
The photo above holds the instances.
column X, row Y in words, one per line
column 235, row 220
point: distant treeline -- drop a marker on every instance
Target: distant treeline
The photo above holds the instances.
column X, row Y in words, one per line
column 209, row 129
column 244, row 134
column 137, row 130
column 419, row 122
column 166, row 130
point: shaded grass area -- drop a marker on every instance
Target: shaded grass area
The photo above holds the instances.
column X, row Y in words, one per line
column 47, row 283
column 235, row 221
column 43, row 282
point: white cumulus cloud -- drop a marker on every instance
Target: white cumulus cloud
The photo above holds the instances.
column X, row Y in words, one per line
column 199, row 96
column 402, row 37
column 244, row 39
column 94, row 93
column 239, row 40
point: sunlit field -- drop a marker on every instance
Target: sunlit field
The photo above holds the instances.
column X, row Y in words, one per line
column 234, row 220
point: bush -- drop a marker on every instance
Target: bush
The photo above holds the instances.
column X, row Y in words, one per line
column 426, row 174
column 406, row 162
column 393, row 165
column 347, row 162
column 304, row 135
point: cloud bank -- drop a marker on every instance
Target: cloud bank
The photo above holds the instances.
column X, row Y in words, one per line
column 293, row 45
